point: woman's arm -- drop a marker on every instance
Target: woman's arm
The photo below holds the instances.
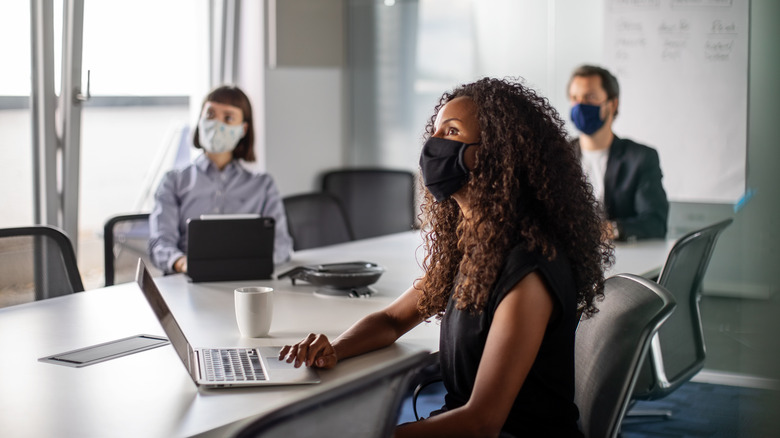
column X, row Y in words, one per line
column 273, row 206
column 372, row 332
column 515, row 336
column 164, row 227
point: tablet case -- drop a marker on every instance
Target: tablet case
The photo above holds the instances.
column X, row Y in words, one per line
column 230, row 248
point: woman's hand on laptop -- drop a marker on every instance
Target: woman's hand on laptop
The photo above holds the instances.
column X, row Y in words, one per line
column 314, row 351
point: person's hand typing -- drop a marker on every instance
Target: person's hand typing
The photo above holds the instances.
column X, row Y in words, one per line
column 315, row 350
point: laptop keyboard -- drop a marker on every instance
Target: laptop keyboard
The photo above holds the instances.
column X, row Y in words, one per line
column 233, row 365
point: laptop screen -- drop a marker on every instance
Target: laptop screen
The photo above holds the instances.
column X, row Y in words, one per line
column 164, row 315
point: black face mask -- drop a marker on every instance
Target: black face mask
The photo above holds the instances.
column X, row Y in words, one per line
column 443, row 167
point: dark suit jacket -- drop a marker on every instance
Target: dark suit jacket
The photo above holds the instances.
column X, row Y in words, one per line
column 633, row 194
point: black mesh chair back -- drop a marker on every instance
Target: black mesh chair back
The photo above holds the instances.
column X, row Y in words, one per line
column 316, row 219
column 376, row 201
column 37, row 262
column 610, row 347
column 125, row 239
column 366, row 407
column 678, row 351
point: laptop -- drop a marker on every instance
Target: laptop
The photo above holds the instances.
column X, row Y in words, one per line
column 230, row 247
column 224, row 366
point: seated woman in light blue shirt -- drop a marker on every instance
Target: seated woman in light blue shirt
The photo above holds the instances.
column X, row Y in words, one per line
column 215, row 183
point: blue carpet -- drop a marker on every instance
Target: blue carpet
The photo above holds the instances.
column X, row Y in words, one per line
column 707, row 410
column 699, row 410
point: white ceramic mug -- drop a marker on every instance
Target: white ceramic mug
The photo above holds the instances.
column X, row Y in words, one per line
column 254, row 309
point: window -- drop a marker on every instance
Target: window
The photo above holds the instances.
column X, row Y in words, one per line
column 146, row 58
column 16, row 184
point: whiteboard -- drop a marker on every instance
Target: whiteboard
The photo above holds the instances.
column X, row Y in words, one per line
column 682, row 66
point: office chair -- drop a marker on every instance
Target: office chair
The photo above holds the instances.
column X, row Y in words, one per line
column 125, row 239
column 366, row 407
column 376, row 201
column 316, row 219
column 678, row 352
column 38, row 262
column 609, row 349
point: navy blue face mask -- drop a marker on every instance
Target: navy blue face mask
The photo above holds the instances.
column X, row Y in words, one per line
column 587, row 118
column 443, row 167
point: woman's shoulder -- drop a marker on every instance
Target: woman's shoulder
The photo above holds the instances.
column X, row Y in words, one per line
column 251, row 170
column 250, row 177
column 177, row 174
column 521, row 261
column 518, row 263
column 520, row 256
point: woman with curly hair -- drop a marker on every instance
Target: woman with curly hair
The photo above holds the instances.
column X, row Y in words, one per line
column 514, row 256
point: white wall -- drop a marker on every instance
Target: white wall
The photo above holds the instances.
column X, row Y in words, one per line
column 304, row 125
column 543, row 42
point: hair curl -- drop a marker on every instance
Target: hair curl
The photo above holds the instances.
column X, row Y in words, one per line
column 527, row 188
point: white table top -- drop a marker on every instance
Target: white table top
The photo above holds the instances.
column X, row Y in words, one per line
column 149, row 394
column 644, row 257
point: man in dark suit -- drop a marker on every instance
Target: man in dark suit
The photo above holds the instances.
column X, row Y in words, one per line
column 625, row 175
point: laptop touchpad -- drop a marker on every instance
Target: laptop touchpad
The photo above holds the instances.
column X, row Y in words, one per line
column 274, row 363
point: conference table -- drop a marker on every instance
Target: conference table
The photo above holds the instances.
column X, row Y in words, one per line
column 149, row 394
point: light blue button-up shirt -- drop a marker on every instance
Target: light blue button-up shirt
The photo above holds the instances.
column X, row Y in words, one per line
column 201, row 188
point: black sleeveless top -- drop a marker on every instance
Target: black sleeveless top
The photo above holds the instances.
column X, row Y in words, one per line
column 545, row 404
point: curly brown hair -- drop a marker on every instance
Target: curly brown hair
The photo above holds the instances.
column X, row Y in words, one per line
column 527, row 188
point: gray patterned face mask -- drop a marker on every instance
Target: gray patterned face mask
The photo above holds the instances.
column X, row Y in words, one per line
column 217, row 137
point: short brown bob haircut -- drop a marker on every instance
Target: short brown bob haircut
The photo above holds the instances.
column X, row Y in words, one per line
column 232, row 95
